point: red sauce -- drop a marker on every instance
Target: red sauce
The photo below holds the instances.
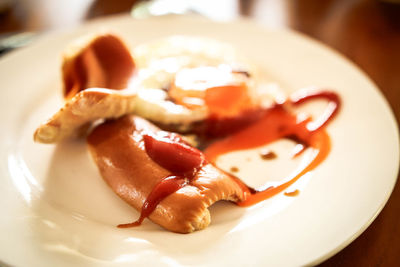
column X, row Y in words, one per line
column 277, row 123
column 167, row 186
column 292, row 194
column 268, row 155
column 104, row 62
column 215, row 127
column 170, row 152
column 330, row 112
column 234, row 169
column 183, row 161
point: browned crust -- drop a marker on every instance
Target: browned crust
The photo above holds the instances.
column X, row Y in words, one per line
column 84, row 108
column 118, row 151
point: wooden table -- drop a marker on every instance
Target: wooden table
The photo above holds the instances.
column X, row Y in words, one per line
column 366, row 31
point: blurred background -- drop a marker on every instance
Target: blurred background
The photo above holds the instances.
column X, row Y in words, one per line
column 367, row 32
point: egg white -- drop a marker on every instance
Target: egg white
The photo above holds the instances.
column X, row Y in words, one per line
column 158, row 63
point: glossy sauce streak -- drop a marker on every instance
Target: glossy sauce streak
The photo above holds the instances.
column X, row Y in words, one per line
column 164, row 188
column 277, row 123
column 292, row 194
column 170, row 152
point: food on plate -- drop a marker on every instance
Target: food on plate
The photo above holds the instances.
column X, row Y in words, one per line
column 96, row 62
column 101, row 60
column 146, row 103
column 154, row 83
column 159, row 174
column 276, row 123
column 85, row 107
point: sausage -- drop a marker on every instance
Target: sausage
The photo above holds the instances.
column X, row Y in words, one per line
column 118, row 149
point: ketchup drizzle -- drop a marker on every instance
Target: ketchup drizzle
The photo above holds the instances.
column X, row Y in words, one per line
column 330, row 112
column 172, row 153
column 268, row 125
column 164, row 188
column 276, row 123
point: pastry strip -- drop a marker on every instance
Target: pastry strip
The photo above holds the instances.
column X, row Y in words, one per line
column 85, row 107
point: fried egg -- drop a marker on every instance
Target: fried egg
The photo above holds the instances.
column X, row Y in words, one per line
column 181, row 80
column 177, row 82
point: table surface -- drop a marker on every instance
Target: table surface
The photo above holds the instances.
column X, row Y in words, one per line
column 366, row 31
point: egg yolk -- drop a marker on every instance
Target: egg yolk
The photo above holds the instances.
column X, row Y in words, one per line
column 222, row 91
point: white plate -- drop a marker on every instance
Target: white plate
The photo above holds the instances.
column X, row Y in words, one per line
column 57, row 211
